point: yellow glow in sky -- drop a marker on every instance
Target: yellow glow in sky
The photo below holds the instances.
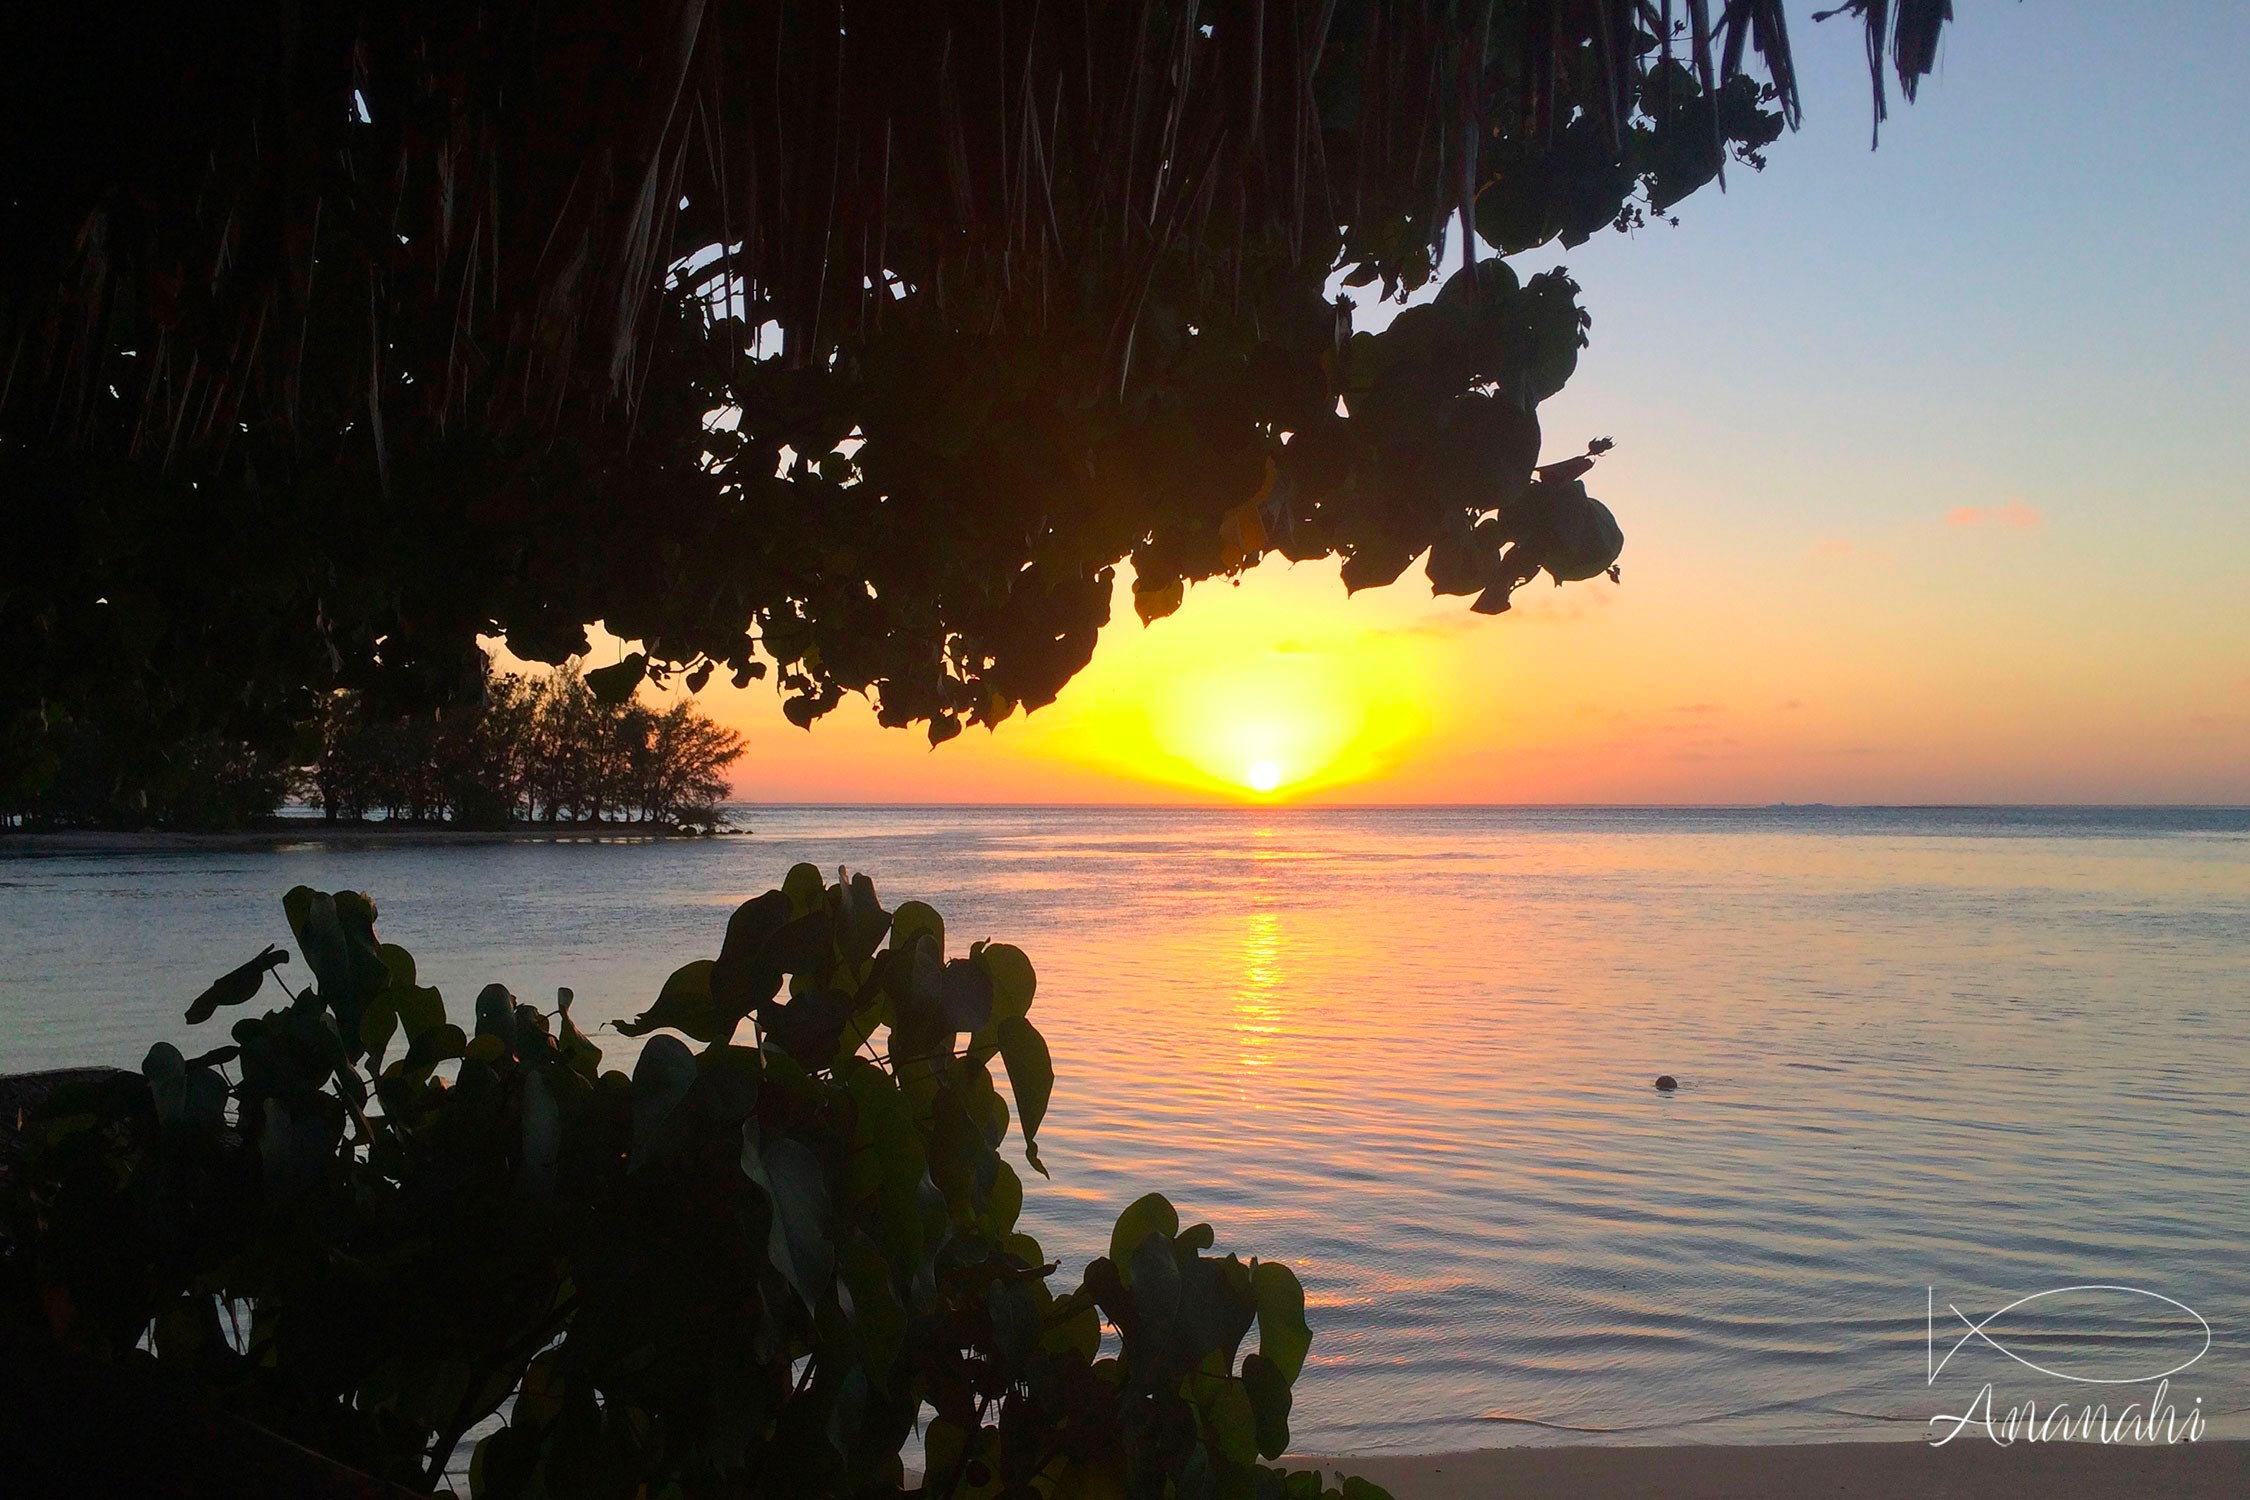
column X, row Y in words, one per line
column 1808, row 673
column 1248, row 699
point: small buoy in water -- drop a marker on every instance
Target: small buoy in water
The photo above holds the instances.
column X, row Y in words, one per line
column 1667, row 1082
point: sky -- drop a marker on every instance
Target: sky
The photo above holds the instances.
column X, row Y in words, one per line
column 1931, row 463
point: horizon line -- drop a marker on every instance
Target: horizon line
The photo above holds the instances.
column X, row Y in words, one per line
column 1318, row 806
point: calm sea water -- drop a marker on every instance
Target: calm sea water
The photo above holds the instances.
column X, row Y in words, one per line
column 1984, row 1052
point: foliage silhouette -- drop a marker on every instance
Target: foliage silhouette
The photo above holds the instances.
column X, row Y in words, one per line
column 548, row 749
column 746, row 1269
column 859, row 341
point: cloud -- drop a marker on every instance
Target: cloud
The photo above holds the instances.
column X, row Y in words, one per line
column 1699, row 708
column 2014, row 515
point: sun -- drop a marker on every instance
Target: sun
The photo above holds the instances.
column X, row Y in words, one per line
column 1267, row 726
column 1262, row 694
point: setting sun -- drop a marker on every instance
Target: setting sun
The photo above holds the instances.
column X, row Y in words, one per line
column 1249, row 695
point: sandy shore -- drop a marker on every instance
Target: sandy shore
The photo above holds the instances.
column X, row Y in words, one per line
column 1829, row 1471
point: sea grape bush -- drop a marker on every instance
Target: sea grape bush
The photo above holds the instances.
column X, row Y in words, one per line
column 758, row 1265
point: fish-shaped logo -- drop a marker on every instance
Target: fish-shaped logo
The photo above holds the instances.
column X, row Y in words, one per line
column 1981, row 1330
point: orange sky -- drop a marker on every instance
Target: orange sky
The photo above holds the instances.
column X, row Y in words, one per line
column 1820, row 683
column 1932, row 468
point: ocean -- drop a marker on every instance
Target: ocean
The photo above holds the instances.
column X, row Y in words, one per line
column 1928, row 1060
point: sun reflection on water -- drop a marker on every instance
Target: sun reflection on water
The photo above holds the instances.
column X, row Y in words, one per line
column 1257, row 1015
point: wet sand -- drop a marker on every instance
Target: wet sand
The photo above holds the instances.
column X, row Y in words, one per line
column 1969, row 1470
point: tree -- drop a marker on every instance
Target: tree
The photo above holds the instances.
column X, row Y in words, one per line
column 685, row 768
column 550, row 749
column 859, row 340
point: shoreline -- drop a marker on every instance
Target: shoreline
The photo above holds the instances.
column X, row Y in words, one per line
column 1897, row 1470
column 317, row 831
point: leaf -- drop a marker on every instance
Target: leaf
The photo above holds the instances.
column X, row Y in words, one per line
column 189, row 1094
column 957, row 991
column 1283, row 1335
column 911, row 920
column 810, row 1027
column 312, row 917
column 804, row 888
column 877, row 1315
column 1003, row 1202
column 1014, row 1309
column 163, row 1063
column 684, row 1004
column 1242, row 532
column 861, row 921
column 440, row 1043
column 376, row 1026
column 576, row 1052
column 1587, row 539
column 1152, row 1214
column 294, row 1144
column 1268, row 1390
column 236, row 985
column 496, row 1015
column 1153, row 1272
column 661, row 1080
column 1077, row 1331
column 398, row 964
column 1013, row 981
column 1233, row 1417
column 618, row 682
column 419, row 1009
column 798, row 1242
column 745, row 979
column 1154, row 602
column 542, row 1134
column 336, row 933
column 1031, row 1075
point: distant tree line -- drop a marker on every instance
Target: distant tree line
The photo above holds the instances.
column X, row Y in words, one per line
column 546, row 750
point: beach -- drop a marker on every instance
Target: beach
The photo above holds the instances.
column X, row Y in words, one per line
column 1802, row 1471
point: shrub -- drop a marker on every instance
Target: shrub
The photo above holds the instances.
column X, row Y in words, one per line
column 756, row 1266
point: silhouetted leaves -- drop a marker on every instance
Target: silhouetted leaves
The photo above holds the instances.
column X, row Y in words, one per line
column 748, row 1266
column 1283, row 1336
column 661, row 1080
column 1150, row 1214
column 236, row 985
column 617, row 682
column 796, row 1190
column 1268, row 1390
column 684, row 1004
column 1031, row 1075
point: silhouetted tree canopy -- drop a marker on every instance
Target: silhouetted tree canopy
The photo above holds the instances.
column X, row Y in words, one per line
column 527, row 749
column 860, row 339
